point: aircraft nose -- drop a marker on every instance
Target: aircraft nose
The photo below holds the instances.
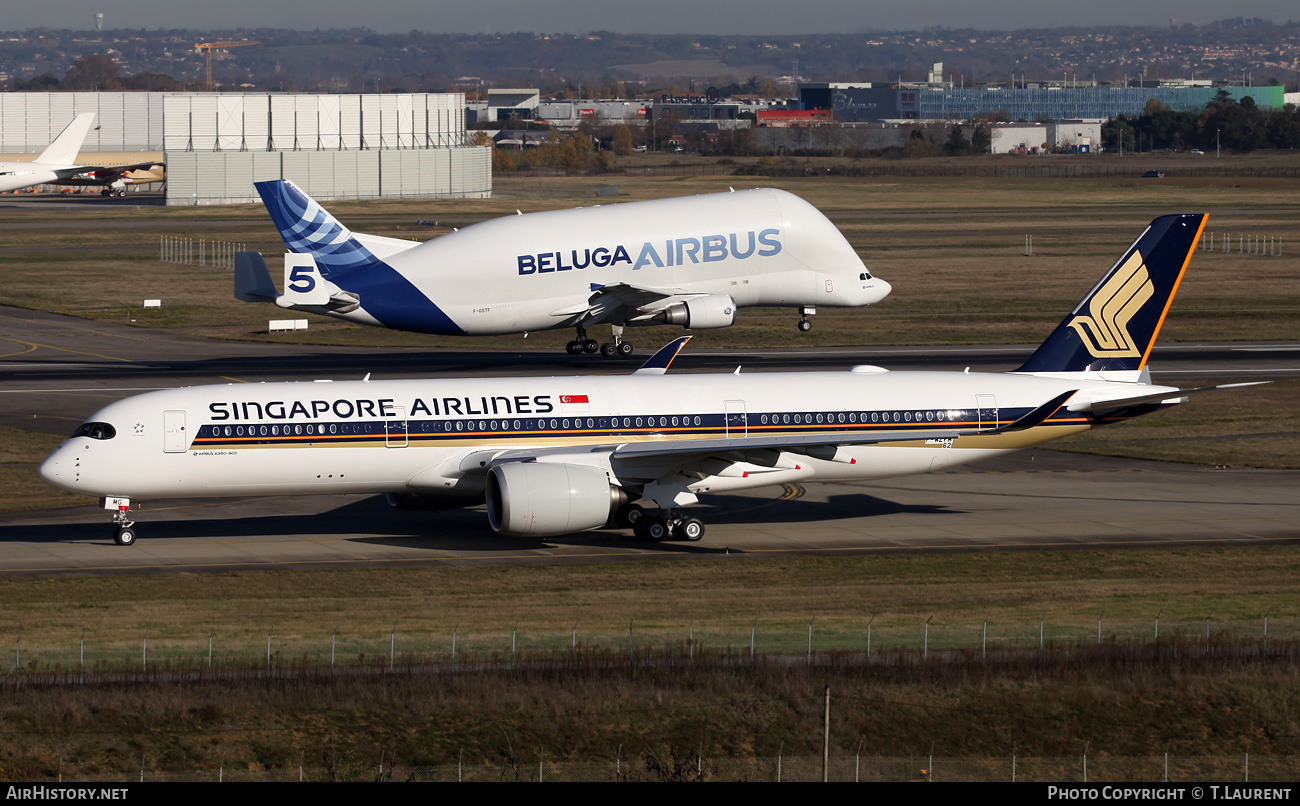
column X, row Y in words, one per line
column 879, row 290
column 57, row 469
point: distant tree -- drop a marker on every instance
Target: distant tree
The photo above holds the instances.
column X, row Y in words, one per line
column 622, row 143
column 957, row 143
column 981, row 139
column 94, row 72
column 42, row 83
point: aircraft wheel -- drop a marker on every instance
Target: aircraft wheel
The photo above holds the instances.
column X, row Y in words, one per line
column 691, row 529
column 652, row 529
column 625, row 348
column 608, row 349
column 125, row 536
column 121, row 194
column 573, row 348
column 630, row 515
column 590, row 346
column 804, row 326
column 106, row 192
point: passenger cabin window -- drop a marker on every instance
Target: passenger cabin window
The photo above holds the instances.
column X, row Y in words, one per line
column 96, row 431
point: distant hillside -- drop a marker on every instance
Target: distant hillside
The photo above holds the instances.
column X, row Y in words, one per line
column 359, row 60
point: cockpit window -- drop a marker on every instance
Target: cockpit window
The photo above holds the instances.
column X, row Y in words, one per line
column 95, row 431
column 866, row 275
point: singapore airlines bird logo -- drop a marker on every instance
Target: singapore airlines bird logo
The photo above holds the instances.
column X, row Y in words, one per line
column 1105, row 329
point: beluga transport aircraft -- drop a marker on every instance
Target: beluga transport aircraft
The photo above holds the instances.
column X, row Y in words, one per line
column 551, row 456
column 689, row 261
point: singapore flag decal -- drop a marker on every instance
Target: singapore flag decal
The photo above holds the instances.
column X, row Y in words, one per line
column 571, row 404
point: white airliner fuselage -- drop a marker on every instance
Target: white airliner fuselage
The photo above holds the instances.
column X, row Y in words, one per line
column 690, row 261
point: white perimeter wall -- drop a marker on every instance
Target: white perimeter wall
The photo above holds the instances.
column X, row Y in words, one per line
column 208, row 177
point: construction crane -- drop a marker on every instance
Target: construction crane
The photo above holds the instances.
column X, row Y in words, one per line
column 208, row 46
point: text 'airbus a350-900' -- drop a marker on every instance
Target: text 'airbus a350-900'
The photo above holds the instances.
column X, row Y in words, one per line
column 551, row 456
column 689, row 261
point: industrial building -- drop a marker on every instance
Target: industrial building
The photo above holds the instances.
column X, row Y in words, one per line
column 216, row 145
column 1030, row 102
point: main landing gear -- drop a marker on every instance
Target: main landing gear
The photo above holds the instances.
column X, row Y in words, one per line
column 616, row 347
column 657, row 528
column 119, row 192
column 805, row 312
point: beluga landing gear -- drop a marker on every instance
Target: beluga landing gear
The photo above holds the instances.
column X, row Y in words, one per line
column 806, row 311
column 616, row 347
column 582, row 344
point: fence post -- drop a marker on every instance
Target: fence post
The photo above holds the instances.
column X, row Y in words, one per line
column 814, row 618
column 752, row 628
column 873, row 618
column 454, row 630
column 925, row 644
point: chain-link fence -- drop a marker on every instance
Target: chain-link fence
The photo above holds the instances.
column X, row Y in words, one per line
column 1078, row 769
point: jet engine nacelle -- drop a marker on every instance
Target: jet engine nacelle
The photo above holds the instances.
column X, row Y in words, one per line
column 702, row 313
column 540, row 499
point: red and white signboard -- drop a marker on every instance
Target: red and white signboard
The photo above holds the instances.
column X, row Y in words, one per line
column 586, row 113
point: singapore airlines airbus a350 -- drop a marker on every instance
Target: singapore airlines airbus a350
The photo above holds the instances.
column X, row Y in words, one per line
column 552, row 456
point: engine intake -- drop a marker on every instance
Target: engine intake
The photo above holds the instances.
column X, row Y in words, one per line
column 540, row 499
column 701, row 313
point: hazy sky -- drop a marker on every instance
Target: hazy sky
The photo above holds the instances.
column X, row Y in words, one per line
column 651, row 16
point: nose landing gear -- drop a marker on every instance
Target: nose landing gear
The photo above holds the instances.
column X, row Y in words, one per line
column 806, row 311
column 124, row 531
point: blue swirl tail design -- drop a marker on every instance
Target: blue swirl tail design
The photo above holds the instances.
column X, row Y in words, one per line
column 307, row 228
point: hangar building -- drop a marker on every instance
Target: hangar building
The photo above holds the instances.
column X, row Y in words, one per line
column 215, row 145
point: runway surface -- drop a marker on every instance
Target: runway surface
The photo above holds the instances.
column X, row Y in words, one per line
column 57, row 370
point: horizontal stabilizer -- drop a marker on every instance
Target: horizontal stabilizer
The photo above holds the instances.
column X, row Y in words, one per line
column 1116, row 403
column 253, row 281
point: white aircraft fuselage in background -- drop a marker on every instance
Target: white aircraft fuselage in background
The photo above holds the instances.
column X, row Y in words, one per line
column 57, row 165
column 558, row 455
column 691, row 261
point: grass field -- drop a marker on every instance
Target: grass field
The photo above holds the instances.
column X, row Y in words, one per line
column 1121, row 697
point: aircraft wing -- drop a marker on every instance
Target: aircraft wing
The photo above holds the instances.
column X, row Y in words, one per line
column 108, row 174
column 624, row 302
